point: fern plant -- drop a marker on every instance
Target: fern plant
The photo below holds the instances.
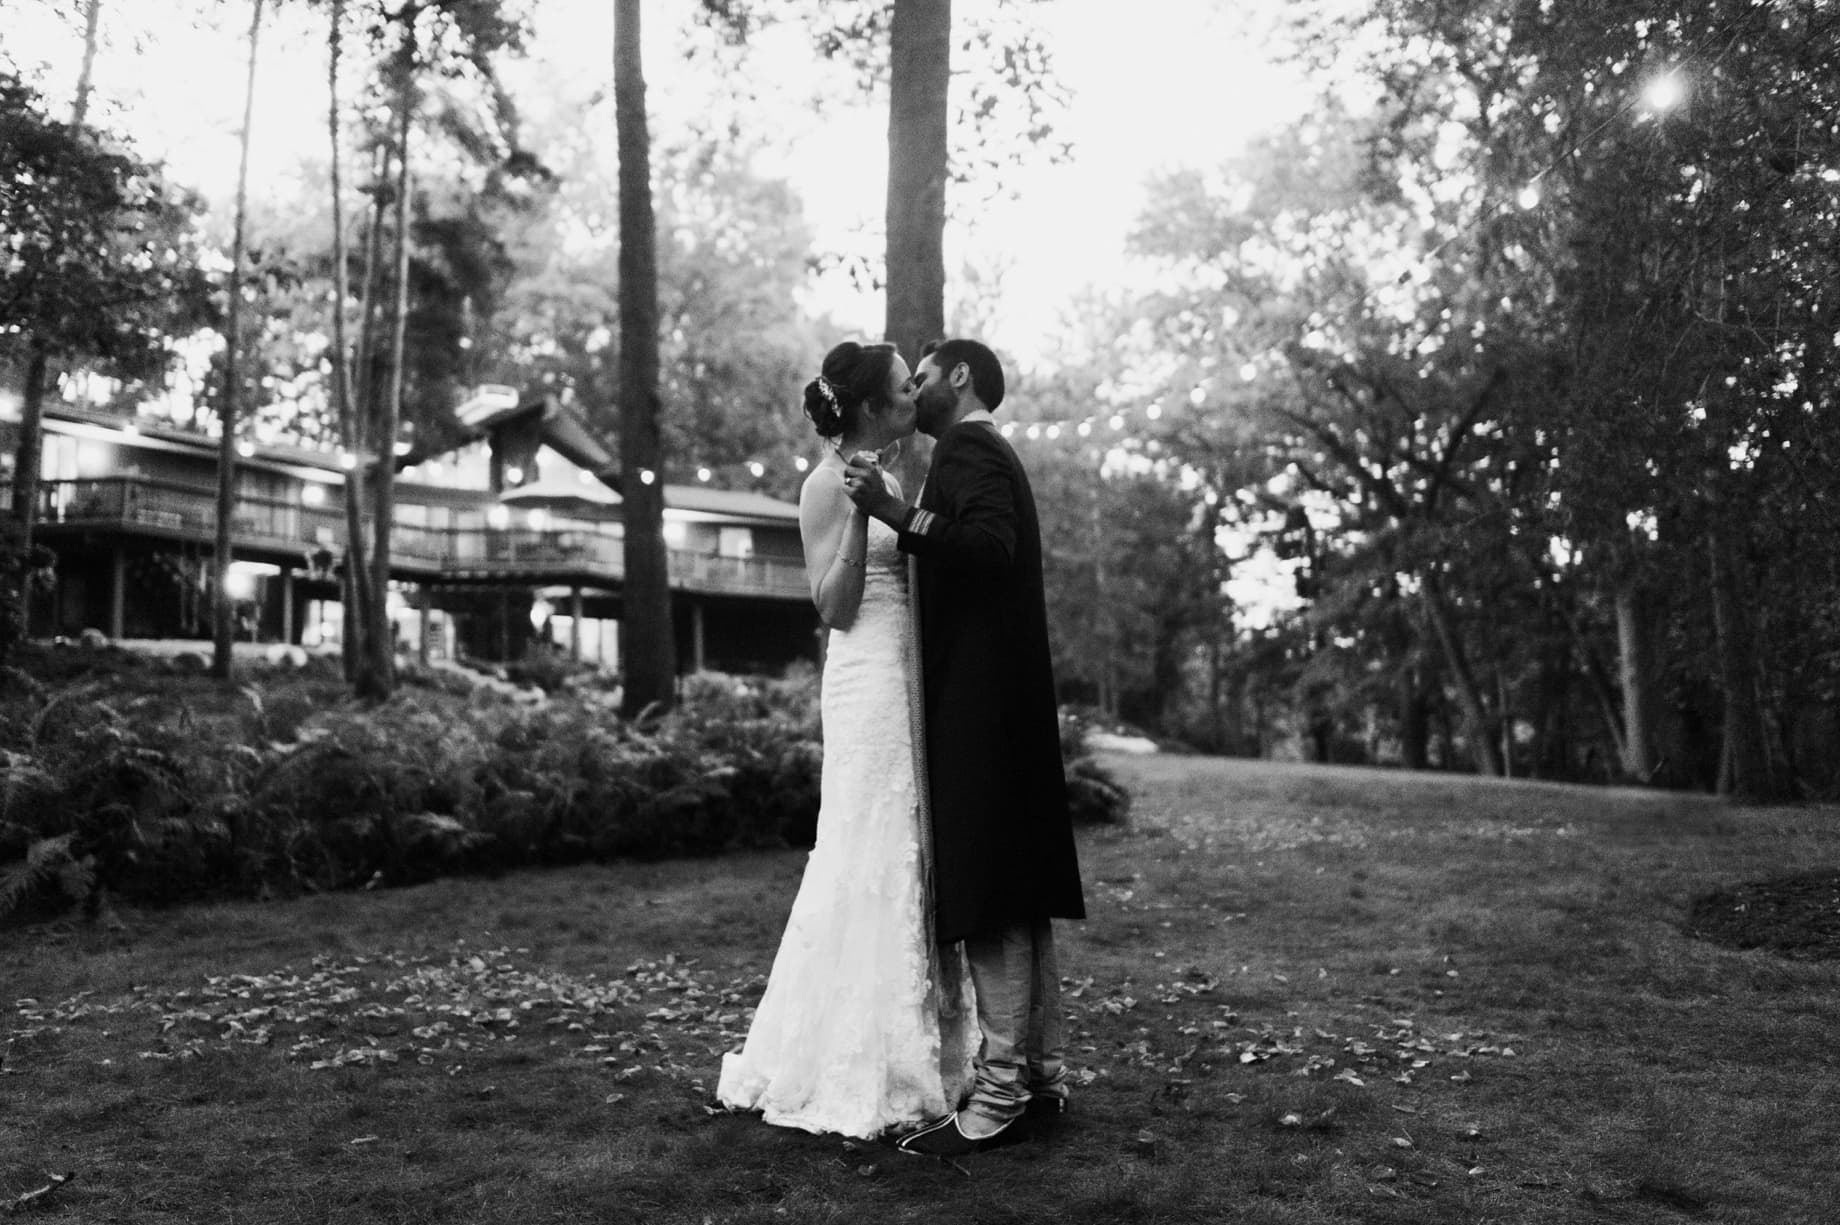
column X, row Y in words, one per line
column 49, row 862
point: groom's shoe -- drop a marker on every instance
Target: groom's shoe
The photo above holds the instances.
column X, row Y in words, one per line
column 1045, row 1113
column 944, row 1137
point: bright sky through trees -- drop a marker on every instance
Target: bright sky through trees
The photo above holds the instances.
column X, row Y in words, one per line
column 1179, row 82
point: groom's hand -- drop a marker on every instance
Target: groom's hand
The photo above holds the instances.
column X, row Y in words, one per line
column 864, row 482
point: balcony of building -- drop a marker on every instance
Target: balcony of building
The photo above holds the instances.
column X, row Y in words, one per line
column 478, row 544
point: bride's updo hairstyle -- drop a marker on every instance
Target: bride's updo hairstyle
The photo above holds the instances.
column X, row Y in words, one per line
column 852, row 375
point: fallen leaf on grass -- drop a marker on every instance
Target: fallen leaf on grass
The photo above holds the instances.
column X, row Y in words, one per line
column 33, row 1198
column 362, row 1140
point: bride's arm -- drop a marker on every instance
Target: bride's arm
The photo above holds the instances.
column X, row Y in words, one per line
column 836, row 536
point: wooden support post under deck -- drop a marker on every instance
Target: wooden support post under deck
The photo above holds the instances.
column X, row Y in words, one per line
column 287, row 604
column 575, row 623
column 118, row 593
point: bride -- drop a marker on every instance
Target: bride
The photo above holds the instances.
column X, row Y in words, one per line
column 865, row 1027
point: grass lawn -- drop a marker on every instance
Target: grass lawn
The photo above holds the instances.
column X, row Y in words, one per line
column 1305, row 994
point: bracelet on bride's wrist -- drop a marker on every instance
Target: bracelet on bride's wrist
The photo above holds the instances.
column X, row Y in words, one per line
column 850, row 561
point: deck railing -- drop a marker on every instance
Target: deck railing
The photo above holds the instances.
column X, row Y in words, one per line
column 565, row 549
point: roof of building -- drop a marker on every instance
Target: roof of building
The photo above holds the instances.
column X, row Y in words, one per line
column 729, row 503
column 562, row 428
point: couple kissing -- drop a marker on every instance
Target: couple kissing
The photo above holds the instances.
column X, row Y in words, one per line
column 915, row 995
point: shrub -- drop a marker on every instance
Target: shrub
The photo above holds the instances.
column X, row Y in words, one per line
column 159, row 785
column 1094, row 794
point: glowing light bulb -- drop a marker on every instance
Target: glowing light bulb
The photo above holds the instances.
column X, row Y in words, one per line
column 703, row 474
column 1529, row 196
column 647, row 477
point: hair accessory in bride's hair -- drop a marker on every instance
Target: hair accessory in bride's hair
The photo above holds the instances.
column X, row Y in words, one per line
column 828, row 390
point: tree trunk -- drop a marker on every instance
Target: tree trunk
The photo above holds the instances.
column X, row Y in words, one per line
column 1745, row 761
column 26, row 464
column 223, row 624
column 79, row 109
column 919, row 122
column 378, row 679
column 357, row 652
column 1483, row 747
column 356, row 605
column 1636, row 669
column 920, row 44
column 1414, row 720
column 1504, row 721
column 648, row 655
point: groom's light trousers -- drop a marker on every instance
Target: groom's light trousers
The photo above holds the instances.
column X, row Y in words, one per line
column 1018, row 985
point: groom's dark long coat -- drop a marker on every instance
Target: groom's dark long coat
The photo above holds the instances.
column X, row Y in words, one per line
column 1002, row 841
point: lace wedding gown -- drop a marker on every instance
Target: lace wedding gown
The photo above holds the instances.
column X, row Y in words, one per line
column 865, row 1026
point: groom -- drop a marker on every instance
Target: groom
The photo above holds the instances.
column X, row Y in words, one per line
column 1004, row 860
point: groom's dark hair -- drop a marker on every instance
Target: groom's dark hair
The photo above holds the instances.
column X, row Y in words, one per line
column 986, row 370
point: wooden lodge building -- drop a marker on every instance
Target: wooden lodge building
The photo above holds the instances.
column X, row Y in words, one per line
column 514, row 538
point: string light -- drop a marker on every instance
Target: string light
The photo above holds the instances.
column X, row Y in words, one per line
column 703, row 474
column 756, row 469
column 647, row 477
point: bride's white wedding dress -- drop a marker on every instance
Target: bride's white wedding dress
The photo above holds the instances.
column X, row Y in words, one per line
column 865, row 1026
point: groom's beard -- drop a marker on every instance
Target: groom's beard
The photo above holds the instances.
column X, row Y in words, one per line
column 934, row 405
